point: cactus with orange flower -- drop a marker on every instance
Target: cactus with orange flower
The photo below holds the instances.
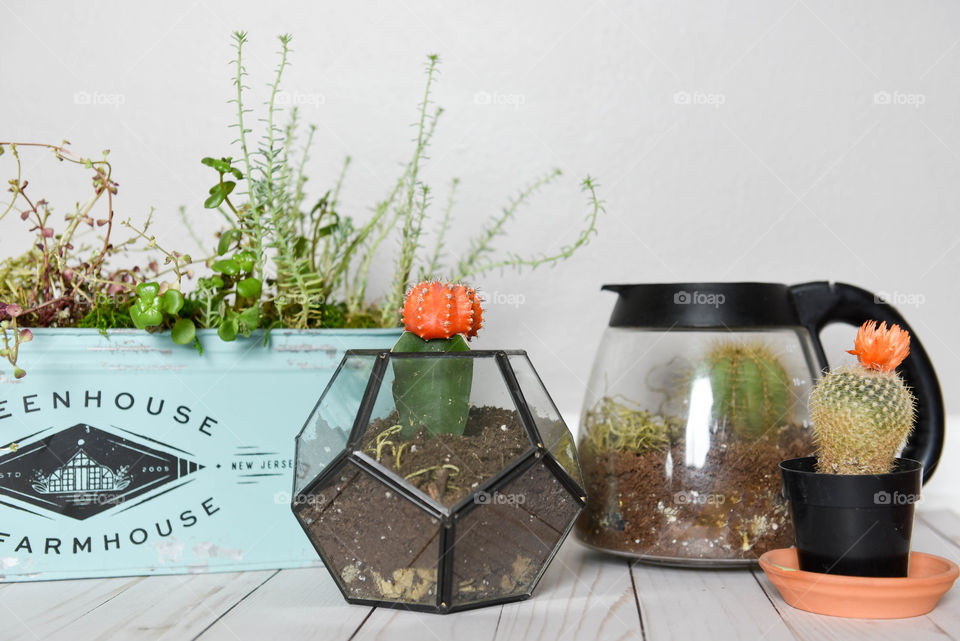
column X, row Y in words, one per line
column 863, row 413
column 433, row 394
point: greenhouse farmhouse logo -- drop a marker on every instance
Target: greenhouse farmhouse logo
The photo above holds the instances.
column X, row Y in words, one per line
column 108, row 471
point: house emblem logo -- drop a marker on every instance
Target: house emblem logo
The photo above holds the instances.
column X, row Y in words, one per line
column 83, row 470
column 82, row 474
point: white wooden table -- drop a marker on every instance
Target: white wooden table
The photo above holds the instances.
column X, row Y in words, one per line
column 583, row 595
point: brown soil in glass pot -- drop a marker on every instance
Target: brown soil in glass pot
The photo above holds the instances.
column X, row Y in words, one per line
column 460, row 480
column 699, row 489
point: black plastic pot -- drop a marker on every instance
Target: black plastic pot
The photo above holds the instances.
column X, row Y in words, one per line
column 852, row 524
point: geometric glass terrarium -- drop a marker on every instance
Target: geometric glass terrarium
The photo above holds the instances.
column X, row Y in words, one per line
column 465, row 516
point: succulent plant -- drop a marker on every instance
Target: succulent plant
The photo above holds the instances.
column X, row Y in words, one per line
column 751, row 389
column 434, row 394
column 863, row 413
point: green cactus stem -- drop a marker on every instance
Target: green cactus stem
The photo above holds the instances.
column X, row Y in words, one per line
column 861, row 419
column 432, row 394
column 750, row 386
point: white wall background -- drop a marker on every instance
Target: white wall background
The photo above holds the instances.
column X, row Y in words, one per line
column 821, row 139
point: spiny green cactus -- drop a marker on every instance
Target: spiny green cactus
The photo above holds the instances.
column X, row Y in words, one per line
column 619, row 425
column 862, row 414
column 751, row 389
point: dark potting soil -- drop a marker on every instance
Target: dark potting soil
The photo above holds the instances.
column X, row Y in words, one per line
column 383, row 547
column 378, row 544
column 448, row 467
column 655, row 504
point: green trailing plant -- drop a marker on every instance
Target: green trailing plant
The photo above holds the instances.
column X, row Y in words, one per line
column 750, row 387
column 433, row 394
column 617, row 424
column 283, row 259
column 863, row 413
column 65, row 278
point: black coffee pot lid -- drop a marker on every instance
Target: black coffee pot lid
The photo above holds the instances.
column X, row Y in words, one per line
column 701, row 305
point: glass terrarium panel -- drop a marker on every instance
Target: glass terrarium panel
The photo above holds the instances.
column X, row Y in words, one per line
column 445, row 424
column 379, row 545
column 503, row 543
column 327, row 429
column 554, row 434
column 681, row 435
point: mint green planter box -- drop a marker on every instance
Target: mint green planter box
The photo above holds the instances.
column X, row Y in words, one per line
column 135, row 456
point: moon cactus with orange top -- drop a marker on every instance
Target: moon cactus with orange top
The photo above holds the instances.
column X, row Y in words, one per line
column 440, row 310
column 863, row 413
column 433, row 394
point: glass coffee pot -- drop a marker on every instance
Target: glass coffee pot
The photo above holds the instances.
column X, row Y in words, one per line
column 698, row 391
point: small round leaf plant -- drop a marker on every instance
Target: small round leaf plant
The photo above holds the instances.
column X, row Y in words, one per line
column 863, row 413
column 434, row 395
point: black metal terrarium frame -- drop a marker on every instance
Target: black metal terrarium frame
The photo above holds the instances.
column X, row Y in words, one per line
column 448, row 517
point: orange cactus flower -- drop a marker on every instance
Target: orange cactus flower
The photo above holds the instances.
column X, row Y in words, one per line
column 881, row 348
column 440, row 310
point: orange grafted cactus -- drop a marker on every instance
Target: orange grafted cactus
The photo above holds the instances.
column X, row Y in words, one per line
column 881, row 348
column 434, row 309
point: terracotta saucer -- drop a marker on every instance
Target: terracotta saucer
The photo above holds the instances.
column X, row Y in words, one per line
column 861, row 597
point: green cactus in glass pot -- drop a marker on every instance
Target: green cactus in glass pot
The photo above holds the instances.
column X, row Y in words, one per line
column 750, row 386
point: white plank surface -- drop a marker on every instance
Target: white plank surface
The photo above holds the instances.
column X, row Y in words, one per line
column 39, row 610
column 171, row 607
column 940, row 534
column 705, row 604
column 583, row 595
column 295, row 604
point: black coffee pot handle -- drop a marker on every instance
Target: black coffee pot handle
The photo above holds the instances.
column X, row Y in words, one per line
column 819, row 304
